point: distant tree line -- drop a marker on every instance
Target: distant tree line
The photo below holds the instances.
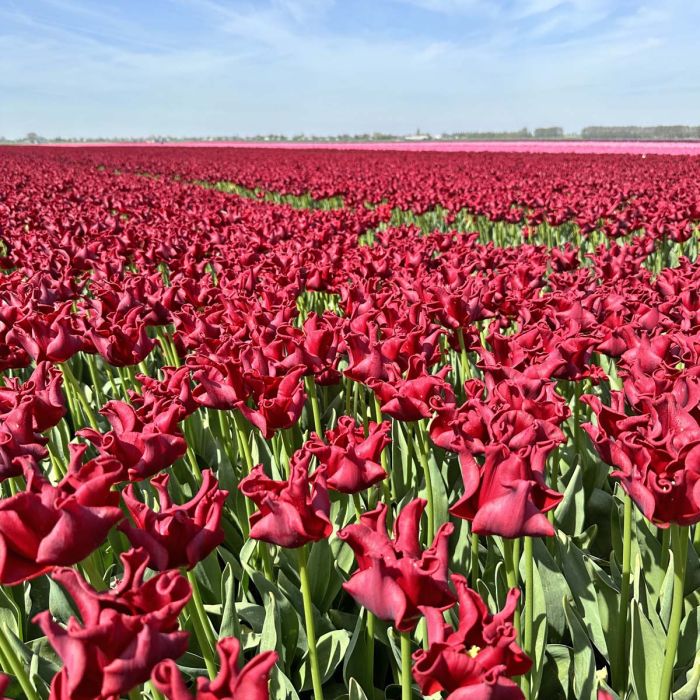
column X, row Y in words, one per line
column 659, row 133
column 589, row 133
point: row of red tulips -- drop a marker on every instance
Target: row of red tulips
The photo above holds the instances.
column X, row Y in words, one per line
column 372, row 462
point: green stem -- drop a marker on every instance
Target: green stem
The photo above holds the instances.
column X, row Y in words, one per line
column 620, row 660
column 527, row 637
column 202, row 627
column 464, row 359
column 388, row 489
column 512, row 562
column 16, row 666
column 94, row 378
column 313, row 395
column 309, row 622
column 679, row 545
column 419, row 446
column 406, row 680
column 77, row 392
column 358, row 505
column 370, row 652
column 474, row 559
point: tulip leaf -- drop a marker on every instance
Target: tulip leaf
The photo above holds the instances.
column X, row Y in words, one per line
column 321, row 565
column 331, row 648
column 554, row 586
column 281, row 687
column 688, row 641
column 441, row 501
column 229, row 626
column 59, row 603
column 539, row 630
column 570, row 513
column 584, row 660
column 689, row 691
column 10, row 615
column 666, row 595
column 271, row 630
column 583, row 591
column 647, row 654
column 355, row 691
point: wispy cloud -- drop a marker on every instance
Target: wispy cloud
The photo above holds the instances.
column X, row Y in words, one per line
column 325, row 66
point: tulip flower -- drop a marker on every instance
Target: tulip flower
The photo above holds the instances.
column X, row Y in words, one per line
column 349, row 459
column 291, row 513
column 47, row 526
column 479, row 657
column 396, row 580
column 121, row 635
column 176, row 536
column 231, row 683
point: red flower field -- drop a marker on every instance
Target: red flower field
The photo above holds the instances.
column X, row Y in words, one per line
column 349, row 424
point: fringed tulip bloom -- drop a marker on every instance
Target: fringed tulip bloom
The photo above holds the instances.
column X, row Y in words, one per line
column 505, row 496
column 279, row 403
column 25, row 411
column 351, row 460
column 655, row 453
column 290, row 513
column 49, row 337
column 121, row 340
column 47, row 526
column 477, row 660
column 121, row 635
column 397, row 580
column 176, row 536
column 250, row 682
column 144, row 443
column 409, row 398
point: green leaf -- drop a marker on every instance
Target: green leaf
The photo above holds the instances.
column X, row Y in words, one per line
column 355, row 691
column 60, row 605
column 570, row 513
column 331, row 648
column 355, row 663
column 583, row 591
column 539, row 630
column 688, row 641
column 271, row 631
column 584, row 685
column 554, row 587
column 321, row 564
column 647, row 652
column 281, row 687
column 556, row 676
column 229, row 626
column 689, row 691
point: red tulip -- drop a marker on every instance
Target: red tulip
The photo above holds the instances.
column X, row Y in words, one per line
column 121, row 634
column 47, row 526
column 144, row 443
column 396, row 580
column 291, row 513
column 477, row 660
column 351, row 460
column 176, row 536
column 231, row 683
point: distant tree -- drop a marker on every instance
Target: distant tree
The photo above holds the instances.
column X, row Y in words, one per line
column 549, row 132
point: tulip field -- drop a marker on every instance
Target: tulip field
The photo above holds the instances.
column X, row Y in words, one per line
column 349, row 424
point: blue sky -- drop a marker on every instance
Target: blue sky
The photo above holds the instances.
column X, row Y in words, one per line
column 222, row 67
